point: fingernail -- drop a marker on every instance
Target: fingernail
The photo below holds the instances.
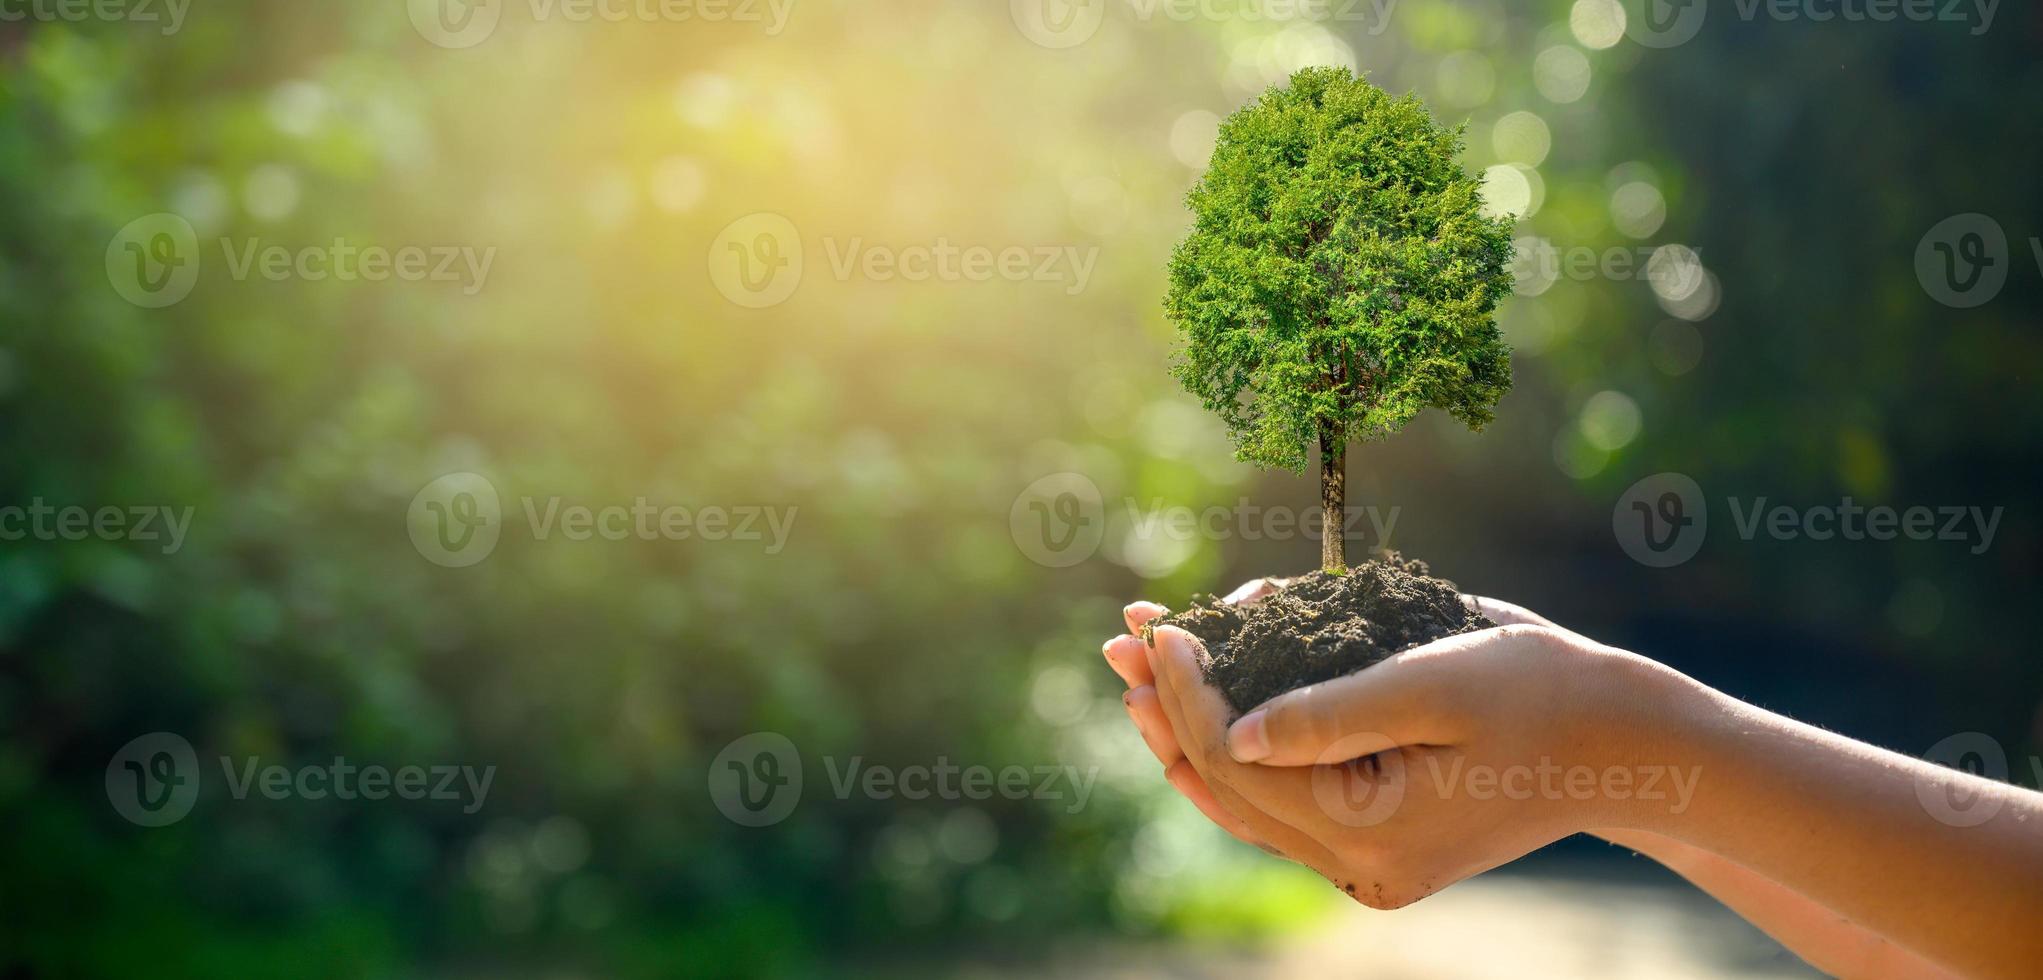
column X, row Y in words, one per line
column 1107, row 651
column 1247, row 740
column 1129, row 657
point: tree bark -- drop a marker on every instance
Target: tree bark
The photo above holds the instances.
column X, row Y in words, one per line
column 1333, row 498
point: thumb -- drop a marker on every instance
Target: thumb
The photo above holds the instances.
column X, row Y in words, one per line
column 1399, row 702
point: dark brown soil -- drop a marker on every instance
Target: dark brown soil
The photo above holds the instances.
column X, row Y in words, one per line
column 1320, row 626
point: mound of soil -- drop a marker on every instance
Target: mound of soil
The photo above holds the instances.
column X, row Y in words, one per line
column 1320, row 626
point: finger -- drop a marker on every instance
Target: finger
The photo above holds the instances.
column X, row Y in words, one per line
column 1402, row 701
column 1507, row 613
column 1156, row 733
column 1153, row 724
column 1138, row 613
column 1185, row 778
column 1173, row 646
column 1251, row 592
column 1202, row 716
column 1511, row 614
column 1125, row 654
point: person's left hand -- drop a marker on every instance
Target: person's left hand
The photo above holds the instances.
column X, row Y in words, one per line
column 1129, row 657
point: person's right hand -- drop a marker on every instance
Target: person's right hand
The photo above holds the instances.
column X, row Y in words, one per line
column 1127, row 656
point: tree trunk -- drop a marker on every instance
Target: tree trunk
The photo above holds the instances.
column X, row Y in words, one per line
column 1333, row 498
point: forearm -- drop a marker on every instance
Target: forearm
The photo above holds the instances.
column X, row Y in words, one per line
column 1840, row 822
column 1816, row 933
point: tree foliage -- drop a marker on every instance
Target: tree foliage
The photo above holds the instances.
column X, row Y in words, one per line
column 1341, row 275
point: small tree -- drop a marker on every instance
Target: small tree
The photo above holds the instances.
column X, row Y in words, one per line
column 1340, row 277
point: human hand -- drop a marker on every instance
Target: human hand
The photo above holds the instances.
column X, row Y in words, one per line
column 1399, row 780
column 1128, row 655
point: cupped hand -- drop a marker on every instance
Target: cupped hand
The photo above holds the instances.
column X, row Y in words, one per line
column 1128, row 655
column 1397, row 781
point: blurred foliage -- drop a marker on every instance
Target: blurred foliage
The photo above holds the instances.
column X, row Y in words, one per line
column 1801, row 162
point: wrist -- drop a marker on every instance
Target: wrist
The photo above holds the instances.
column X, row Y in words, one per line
column 1651, row 720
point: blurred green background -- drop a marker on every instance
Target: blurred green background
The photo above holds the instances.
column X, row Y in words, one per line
column 1793, row 353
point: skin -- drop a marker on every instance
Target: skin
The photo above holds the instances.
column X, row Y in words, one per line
column 1371, row 780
